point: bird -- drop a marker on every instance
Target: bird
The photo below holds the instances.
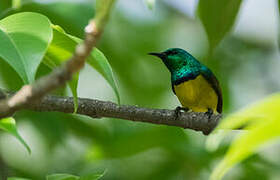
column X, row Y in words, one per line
column 194, row 84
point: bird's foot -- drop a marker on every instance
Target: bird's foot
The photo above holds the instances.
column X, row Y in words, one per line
column 179, row 110
column 209, row 113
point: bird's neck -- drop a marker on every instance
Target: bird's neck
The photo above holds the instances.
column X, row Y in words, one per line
column 178, row 73
column 184, row 73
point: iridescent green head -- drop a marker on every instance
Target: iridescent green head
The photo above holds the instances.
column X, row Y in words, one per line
column 175, row 59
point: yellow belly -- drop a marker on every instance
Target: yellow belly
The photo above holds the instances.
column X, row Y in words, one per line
column 197, row 94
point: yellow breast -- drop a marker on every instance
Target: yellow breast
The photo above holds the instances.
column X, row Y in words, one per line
column 197, row 94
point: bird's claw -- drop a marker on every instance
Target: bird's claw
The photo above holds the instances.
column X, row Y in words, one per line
column 179, row 110
column 209, row 113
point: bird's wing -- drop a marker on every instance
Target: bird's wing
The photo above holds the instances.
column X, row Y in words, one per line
column 211, row 78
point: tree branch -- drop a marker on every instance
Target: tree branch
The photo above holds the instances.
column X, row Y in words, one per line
column 97, row 109
column 33, row 97
column 60, row 76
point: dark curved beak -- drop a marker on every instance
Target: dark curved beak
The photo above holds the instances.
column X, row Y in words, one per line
column 160, row 55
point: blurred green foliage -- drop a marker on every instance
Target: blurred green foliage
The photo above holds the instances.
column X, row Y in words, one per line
column 218, row 17
column 260, row 122
column 78, row 145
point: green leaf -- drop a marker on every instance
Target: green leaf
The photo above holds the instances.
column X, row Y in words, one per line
column 99, row 62
column 65, row 13
column 254, row 113
column 150, row 3
column 59, row 51
column 25, row 38
column 217, row 17
column 62, row 177
column 262, row 124
column 9, row 125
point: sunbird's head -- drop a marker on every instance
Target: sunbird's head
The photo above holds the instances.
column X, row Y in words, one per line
column 174, row 58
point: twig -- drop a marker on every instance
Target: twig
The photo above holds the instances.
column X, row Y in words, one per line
column 56, row 79
column 97, row 109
